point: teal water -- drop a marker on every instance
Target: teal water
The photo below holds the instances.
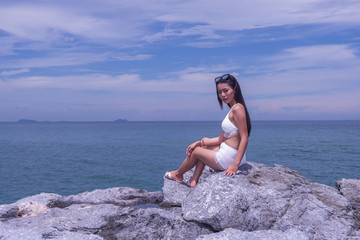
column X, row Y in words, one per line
column 72, row 157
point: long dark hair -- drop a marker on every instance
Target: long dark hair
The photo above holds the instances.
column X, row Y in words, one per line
column 233, row 83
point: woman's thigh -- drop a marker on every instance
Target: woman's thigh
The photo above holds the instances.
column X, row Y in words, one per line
column 207, row 156
column 214, row 148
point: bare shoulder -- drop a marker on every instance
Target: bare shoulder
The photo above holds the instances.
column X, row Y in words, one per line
column 237, row 113
column 238, row 109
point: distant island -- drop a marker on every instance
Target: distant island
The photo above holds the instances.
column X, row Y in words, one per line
column 26, row 120
column 121, row 120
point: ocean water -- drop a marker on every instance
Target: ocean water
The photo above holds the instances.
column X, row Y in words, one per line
column 72, row 157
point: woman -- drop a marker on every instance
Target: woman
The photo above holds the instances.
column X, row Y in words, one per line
column 226, row 152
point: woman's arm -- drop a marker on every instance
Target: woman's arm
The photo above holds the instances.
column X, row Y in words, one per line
column 212, row 141
column 239, row 116
column 205, row 142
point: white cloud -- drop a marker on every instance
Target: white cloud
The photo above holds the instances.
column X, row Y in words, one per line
column 314, row 56
column 101, row 20
column 70, row 58
column 65, row 30
column 302, row 71
column 48, row 23
column 132, row 58
column 190, row 80
column 127, row 82
column 80, row 33
column 211, row 16
column 306, row 70
column 308, row 106
column 14, row 72
column 57, row 59
column 307, row 81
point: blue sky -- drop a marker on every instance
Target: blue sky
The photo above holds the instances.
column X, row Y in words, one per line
column 100, row 60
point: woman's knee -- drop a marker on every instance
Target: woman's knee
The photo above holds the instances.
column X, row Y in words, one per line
column 196, row 152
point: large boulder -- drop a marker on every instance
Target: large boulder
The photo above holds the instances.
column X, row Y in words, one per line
column 261, row 198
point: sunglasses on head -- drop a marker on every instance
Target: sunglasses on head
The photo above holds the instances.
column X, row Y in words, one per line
column 222, row 78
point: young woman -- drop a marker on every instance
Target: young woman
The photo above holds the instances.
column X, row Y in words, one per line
column 226, row 152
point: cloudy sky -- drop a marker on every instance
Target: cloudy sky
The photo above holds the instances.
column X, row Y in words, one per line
column 100, row 60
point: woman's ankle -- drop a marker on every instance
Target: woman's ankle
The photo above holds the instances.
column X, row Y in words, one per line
column 178, row 175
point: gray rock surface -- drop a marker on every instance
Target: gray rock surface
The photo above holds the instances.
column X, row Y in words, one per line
column 262, row 198
column 234, row 234
column 350, row 189
column 260, row 202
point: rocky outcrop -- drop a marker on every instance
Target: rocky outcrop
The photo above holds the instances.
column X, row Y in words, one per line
column 350, row 189
column 260, row 202
column 115, row 213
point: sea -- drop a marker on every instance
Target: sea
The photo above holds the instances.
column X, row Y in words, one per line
column 72, row 157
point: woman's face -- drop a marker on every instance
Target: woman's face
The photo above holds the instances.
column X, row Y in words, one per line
column 226, row 93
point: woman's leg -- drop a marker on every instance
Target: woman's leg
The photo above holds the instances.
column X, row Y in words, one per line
column 206, row 156
column 199, row 167
column 199, row 157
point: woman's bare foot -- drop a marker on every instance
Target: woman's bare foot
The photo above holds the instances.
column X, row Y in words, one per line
column 193, row 182
column 174, row 176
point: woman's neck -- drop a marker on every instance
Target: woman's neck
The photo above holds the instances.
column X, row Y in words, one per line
column 232, row 104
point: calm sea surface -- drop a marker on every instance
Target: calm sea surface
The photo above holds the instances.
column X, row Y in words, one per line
column 72, row 157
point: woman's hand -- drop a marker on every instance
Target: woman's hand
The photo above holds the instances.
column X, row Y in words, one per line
column 231, row 170
column 191, row 148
